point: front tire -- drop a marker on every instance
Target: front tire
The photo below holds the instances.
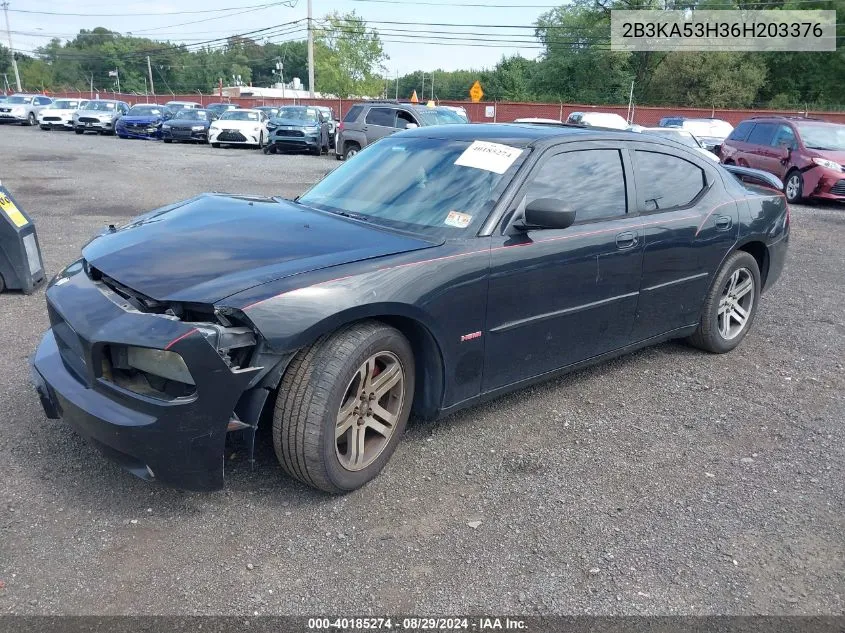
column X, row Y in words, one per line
column 351, row 150
column 79, row 130
column 342, row 406
column 216, row 145
column 793, row 187
column 31, row 119
column 167, row 140
column 730, row 305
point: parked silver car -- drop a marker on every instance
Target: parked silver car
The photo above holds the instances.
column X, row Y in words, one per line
column 59, row 114
column 23, row 109
column 99, row 115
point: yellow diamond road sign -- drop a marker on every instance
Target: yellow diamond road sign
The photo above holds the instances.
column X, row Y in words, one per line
column 475, row 93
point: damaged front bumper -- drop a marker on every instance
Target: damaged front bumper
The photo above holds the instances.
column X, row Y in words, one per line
column 175, row 437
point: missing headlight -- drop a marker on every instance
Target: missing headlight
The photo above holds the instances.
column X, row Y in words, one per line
column 150, row 372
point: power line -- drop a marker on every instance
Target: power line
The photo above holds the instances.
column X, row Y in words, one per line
column 162, row 13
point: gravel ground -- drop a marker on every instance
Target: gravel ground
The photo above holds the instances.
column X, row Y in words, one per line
column 665, row 482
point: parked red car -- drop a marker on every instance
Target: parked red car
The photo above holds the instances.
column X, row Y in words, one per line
column 806, row 154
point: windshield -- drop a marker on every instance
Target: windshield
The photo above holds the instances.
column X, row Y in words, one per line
column 146, row 110
column 192, row 115
column 239, row 115
column 439, row 116
column 414, row 184
column 823, row 137
column 64, row 104
column 309, row 115
column 19, row 100
column 677, row 135
column 99, row 105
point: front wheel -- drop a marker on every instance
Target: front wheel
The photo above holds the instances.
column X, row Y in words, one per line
column 31, row 119
column 730, row 305
column 216, row 145
column 351, row 150
column 342, row 406
column 167, row 140
column 79, row 130
column 793, row 188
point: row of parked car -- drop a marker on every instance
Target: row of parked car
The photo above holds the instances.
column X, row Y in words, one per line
column 272, row 128
column 806, row 154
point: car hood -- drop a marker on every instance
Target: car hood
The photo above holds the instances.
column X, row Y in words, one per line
column 100, row 114
column 190, row 122
column 829, row 154
column 294, row 123
column 212, row 246
column 58, row 111
column 231, row 124
column 141, row 119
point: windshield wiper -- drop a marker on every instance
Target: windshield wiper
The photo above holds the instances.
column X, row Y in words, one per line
column 348, row 214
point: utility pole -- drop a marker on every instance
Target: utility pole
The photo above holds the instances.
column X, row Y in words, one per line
column 310, row 51
column 150, row 71
column 92, row 85
column 12, row 48
column 397, row 84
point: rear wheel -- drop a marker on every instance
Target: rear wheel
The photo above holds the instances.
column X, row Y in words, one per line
column 351, row 150
column 342, row 406
column 31, row 119
column 730, row 305
column 167, row 140
column 793, row 188
column 79, row 130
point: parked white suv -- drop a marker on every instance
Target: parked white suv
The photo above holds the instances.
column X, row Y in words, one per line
column 59, row 114
column 23, row 109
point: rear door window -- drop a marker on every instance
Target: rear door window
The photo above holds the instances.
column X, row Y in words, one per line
column 762, row 134
column 667, row 182
column 386, row 117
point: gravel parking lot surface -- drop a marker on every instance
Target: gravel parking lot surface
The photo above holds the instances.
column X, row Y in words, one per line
column 665, row 482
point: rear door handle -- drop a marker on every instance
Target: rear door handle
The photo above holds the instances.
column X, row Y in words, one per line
column 723, row 222
column 628, row 239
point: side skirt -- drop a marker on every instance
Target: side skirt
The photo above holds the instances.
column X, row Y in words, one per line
column 490, row 395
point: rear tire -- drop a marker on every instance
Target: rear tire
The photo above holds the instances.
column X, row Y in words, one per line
column 167, row 140
column 730, row 305
column 350, row 150
column 79, row 130
column 31, row 119
column 330, row 430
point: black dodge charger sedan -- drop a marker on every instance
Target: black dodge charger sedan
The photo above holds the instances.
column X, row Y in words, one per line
column 440, row 267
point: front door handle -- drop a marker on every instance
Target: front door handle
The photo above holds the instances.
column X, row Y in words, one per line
column 628, row 239
column 723, row 222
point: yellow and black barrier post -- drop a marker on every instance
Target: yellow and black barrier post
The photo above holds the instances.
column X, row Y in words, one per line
column 21, row 264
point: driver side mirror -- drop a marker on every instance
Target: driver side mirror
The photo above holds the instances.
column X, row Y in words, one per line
column 411, row 126
column 546, row 213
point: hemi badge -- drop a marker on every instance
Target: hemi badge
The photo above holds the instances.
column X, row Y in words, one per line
column 470, row 336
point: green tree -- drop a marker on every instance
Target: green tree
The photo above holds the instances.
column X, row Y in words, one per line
column 349, row 57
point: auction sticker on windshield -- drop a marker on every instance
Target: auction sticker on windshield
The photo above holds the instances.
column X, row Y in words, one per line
column 458, row 219
column 493, row 157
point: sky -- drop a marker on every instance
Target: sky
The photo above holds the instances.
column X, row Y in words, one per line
column 473, row 47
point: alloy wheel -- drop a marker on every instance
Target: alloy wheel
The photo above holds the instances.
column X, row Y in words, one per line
column 735, row 304
column 793, row 187
column 369, row 411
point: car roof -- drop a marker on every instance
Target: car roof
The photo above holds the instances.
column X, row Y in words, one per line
column 516, row 134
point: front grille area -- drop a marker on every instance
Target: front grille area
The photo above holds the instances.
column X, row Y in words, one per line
column 231, row 136
column 52, row 118
column 88, row 119
column 5, row 109
column 70, row 345
column 299, row 133
column 839, row 188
